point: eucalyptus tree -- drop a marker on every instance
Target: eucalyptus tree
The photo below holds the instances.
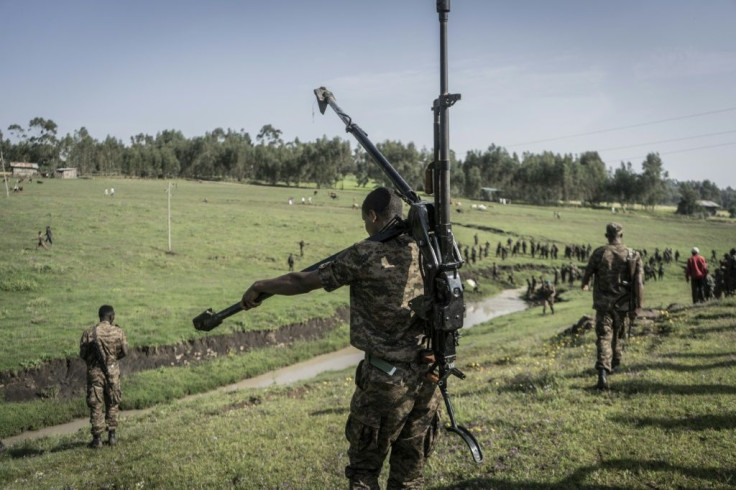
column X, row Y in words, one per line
column 652, row 180
column 43, row 143
column 593, row 177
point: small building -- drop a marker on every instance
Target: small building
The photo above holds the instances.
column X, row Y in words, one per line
column 709, row 207
column 66, row 173
column 24, row 169
column 486, row 193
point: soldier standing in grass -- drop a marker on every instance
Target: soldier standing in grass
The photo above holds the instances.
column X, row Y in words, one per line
column 617, row 293
column 290, row 261
column 101, row 347
column 41, row 242
column 395, row 407
column 547, row 291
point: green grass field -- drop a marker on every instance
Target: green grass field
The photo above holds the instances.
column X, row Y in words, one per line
column 113, row 250
column 668, row 422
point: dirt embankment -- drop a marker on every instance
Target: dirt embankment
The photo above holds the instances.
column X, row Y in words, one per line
column 64, row 378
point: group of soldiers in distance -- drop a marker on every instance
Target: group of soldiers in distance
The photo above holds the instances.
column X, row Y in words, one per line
column 720, row 283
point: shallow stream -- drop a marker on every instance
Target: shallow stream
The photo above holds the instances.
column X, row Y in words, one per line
column 506, row 302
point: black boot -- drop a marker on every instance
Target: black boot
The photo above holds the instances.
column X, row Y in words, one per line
column 111, row 439
column 615, row 364
column 602, row 382
column 96, row 442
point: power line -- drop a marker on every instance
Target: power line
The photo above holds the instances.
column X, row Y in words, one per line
column 669, row 140
column 638, row 125
column 679, row 151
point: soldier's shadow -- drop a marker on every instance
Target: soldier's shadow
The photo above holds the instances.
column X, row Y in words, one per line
column 25, row 452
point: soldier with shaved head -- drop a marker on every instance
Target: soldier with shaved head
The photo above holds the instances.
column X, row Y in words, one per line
column 395, row 406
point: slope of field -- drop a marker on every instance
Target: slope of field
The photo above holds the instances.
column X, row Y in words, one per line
column 668, row 420
column 224, row 235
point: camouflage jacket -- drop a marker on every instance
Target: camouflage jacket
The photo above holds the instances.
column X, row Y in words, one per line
column 112, row 341
column 383, row 278
column 547, row 291
column 611, row 266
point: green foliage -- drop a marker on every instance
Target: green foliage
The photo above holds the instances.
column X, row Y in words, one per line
column 222, row 154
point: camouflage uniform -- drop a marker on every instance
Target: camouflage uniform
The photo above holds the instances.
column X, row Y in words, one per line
column 547, row 292
column 611, row 293
column 394, row 407
column 102, row 392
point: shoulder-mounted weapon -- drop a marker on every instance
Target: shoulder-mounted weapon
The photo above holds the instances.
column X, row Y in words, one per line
column 429, row 225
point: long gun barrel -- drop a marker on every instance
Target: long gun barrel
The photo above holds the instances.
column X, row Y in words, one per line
column 209, row 319
column 429, row 225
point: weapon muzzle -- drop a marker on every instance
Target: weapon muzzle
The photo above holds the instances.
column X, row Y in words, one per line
column 322, row 96
column 206, row 321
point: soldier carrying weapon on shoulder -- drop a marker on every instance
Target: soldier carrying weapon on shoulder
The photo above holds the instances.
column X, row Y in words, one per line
column 395, row 404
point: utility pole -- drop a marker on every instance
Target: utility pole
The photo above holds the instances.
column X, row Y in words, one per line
column 168, row 191
column 5, row 177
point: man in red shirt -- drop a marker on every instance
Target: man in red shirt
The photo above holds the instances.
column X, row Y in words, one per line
column 696, row 272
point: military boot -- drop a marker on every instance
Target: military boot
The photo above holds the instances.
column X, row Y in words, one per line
column 96, row 442
column 111, row 439
column 616, row 363
column 602, row 382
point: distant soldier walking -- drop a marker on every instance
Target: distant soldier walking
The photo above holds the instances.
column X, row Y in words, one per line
column 101, row 347
column 547, row 292
column 617, row 293
column 290, row 261
column 49, row 236
column 696, row 272
column 41, row 242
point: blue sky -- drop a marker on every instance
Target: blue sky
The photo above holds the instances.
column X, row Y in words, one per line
column 624, row 78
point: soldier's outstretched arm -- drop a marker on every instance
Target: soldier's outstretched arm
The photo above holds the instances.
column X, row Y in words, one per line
column 289, row 284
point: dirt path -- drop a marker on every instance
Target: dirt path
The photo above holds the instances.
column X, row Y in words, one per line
column 506, row 302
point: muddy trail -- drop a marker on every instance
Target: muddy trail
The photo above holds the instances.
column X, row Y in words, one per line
column 66, row 378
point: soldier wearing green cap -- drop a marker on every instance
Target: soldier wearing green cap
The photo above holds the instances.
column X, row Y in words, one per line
column 617, row 294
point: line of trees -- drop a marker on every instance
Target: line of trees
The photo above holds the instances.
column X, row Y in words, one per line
column 226, row 154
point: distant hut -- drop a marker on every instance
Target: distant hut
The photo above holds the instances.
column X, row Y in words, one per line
column 709, row 207
column 486, row 193
column 66, row 173
column 24, row 169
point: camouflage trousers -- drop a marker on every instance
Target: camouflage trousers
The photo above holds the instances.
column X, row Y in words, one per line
column 103, row 398
column 548, row 302
column 398, row 413
column 609, row 330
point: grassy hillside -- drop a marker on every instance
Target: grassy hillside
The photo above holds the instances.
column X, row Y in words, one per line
column 113, row 250
column 668, row 420
column 224, row 235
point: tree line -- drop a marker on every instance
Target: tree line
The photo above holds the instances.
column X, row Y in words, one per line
column 541, row 178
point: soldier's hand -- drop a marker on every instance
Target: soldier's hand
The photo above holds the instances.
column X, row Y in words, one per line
column 584, row 287
column 250, row 298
